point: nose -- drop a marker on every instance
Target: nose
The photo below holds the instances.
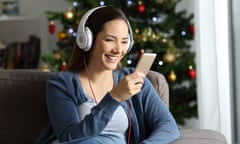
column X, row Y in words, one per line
column 120, row 47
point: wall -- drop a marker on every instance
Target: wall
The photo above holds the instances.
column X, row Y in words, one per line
column 36, row 8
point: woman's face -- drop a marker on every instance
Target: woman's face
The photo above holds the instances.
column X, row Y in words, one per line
column 110, row 46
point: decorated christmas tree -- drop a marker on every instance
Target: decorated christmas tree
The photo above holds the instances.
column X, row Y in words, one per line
column 157, row 28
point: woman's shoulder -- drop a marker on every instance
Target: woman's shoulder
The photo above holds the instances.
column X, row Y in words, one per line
column 62, row 74
column 63, row 77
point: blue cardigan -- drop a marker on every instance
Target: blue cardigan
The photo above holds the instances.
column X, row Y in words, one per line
column 151, row 121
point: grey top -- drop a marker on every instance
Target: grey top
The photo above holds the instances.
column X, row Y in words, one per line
column 116, row 128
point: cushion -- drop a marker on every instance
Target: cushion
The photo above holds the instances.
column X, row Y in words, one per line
column 200, row 136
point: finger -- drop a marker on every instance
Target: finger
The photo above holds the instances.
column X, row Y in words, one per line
column 138, row 74
column 138, row 81
column 135, row 75
column 135, row 89
column 137, row 85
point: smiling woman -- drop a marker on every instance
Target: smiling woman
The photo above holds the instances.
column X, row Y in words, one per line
column 94, row 101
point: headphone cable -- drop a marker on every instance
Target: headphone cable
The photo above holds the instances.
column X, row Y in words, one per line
column 130, row 122
column 88, row 76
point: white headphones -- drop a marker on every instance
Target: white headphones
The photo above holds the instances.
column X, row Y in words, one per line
column 84, row 36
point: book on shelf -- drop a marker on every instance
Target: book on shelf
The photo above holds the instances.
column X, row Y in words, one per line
column 23, row 55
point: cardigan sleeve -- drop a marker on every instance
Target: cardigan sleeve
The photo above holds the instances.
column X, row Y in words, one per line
column 163, row 128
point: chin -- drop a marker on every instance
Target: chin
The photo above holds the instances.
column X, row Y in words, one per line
column 111, row 67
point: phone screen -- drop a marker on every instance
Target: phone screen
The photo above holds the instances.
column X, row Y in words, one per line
column 146, row 62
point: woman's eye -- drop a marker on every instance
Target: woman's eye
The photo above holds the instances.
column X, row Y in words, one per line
column 125, row 42
column 108, row 39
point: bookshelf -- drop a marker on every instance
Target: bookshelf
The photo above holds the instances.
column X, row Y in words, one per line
column 18, row 29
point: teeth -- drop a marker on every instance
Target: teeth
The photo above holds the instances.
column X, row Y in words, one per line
column 112, row 58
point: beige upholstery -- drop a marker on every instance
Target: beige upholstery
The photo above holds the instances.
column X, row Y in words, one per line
column 23, row 113
column 200, row 136
column 160, row 84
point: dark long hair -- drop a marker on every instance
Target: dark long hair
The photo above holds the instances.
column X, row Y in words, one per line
column 95, row 22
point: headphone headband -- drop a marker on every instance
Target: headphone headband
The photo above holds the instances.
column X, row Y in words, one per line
column 84, row 36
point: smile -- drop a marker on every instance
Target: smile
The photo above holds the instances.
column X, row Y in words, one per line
column 112, row 59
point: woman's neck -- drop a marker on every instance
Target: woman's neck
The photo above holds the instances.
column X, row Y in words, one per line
column 96, row 83
column 96, row 75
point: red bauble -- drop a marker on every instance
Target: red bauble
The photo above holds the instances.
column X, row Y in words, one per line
column 141, row 8
column 63, row 67
column 52, row 27
column 140, row 53
column 192, row 73
column 192, row 29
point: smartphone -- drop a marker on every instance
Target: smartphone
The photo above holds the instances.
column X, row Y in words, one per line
column 145, row 62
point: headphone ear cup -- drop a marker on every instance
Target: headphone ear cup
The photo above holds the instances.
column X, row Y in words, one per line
column 81, row 40
column 130, row 44
column 89, row 39
column 84, row 36
column 84, row 40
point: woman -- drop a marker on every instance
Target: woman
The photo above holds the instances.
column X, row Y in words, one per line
column 94, row 102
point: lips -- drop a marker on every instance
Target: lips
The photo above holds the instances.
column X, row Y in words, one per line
column 112, row 59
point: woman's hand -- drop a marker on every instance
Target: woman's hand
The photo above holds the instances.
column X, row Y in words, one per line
column 128, row 86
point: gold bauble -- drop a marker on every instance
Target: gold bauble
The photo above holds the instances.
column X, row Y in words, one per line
column 147, row 32
column 172, row 76
column 154, row 37
column 57, row 55
column 45, row 68
column 164, row 40
column 68, row 15
column 62, row 35
column 169, row 57
column 137, row 31
column 159, row 1
column 144, row 38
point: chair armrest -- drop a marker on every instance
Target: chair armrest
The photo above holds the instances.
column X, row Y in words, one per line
column 160, row 84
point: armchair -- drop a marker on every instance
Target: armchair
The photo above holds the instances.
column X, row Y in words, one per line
column 23, row 113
